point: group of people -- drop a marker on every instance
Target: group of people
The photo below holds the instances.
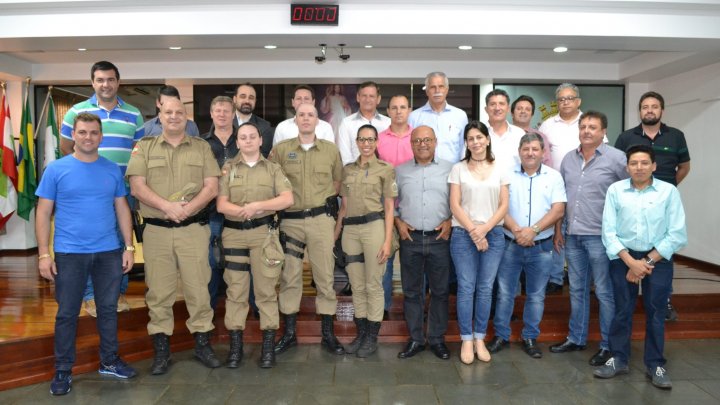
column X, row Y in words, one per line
column 465, row 203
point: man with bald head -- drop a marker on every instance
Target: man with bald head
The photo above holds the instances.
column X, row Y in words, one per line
column 314, row 169
column 174, row 177
column 423, row 222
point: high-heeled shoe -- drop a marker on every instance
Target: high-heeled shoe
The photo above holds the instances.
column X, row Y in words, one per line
column 482, row 352
column 467, row 352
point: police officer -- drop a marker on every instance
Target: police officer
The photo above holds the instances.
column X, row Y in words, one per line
column 252, row 189
column 368, row 198
column 314, row 169
column 174, row 176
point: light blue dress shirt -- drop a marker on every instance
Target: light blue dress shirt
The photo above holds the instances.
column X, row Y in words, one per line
column 531, row 197
column 448, row 125
column 641, row 220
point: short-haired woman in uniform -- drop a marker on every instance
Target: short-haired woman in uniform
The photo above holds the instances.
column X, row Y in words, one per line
column 252, row 189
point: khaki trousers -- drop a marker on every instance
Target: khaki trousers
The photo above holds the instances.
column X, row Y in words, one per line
column 366, row 278
column 318, row 234
column 264, row 277
column 170, row 252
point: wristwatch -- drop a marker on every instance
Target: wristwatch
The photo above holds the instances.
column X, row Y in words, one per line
column 536, row 229
column 649, row 261
column 130, row 248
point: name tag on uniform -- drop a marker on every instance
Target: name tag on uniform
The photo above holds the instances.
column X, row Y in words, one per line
column 292, row 155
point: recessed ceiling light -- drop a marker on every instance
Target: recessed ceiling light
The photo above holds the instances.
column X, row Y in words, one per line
column 560, row 49
column 368, row 46
column 82, row 49
column 175, row 48
column 270, row 46
column 464, row 47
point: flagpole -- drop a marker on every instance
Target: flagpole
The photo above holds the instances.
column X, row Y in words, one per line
column 42, row 112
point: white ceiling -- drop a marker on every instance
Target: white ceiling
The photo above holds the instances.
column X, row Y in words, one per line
column 612, row 40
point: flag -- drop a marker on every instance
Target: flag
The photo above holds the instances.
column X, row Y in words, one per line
column 27, row 182
column 9, row 175
column 52, row 137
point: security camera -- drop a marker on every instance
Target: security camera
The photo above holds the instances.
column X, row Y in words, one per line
column 344, row 57
column 320, row 60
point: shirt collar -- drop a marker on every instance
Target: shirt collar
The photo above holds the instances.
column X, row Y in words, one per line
column 370, row 163
column 433, row 162
column 186, row 139
column 576, row 119
column 541, row 170
column 629, row 186
column 93, row 101
column 428, row 107
column 358, row 116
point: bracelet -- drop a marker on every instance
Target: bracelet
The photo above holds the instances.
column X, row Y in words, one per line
column 44, row 256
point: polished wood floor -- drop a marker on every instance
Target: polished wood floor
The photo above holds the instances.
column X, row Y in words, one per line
column 27, row 303
column 27, row 311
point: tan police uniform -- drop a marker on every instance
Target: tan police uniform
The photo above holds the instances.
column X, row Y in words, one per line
column 312, row 174
column 365, row 187
column 169, row 251
column 243, row 241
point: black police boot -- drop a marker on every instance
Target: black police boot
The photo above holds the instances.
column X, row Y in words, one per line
column 289, row 339
column 161, row 360
column 329, row 341
column 361, row 326
column 267, row 355
column 236, row 349
column 203, row 351
column 369, row 344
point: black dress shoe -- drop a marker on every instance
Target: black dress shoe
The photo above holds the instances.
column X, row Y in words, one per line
column 411, row 349
column 531, row 348
column 497, row 344
column 553, row 288
column 441, row 351
column 568, row 346
column 600, row 358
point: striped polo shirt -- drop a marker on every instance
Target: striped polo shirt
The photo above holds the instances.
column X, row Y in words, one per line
column 121, row 126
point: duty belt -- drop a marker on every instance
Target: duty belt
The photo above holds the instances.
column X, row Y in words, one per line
column 363, row 219
column 199, row 218
column 310, row 212
column 249, row 224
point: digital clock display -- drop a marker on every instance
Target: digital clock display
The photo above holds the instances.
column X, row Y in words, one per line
column 314, row 14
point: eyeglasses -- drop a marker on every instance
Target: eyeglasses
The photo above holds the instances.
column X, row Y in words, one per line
column 563, row 100
column 418, row 141
column 366, row 140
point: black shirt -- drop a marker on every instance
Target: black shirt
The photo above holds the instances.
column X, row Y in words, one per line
column 669, row 146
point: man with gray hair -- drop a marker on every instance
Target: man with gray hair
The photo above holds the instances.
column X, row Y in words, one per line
column 563, row 133
column 447, row 121
column 537, row 202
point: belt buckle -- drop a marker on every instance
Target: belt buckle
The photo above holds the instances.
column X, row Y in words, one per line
column 245, row 225
column 307, row 212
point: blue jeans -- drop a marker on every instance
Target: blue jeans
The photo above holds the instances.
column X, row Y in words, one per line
column 216, row 275
column 88, row 293
column 557, row 271
column 105, row 270
column 387, row 281
column 476, row 272
column 535, row 261
column 655, row 293
column 588, row 263
column 425, row 255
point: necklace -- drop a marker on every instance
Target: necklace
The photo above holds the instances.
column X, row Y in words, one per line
column 478, row 160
